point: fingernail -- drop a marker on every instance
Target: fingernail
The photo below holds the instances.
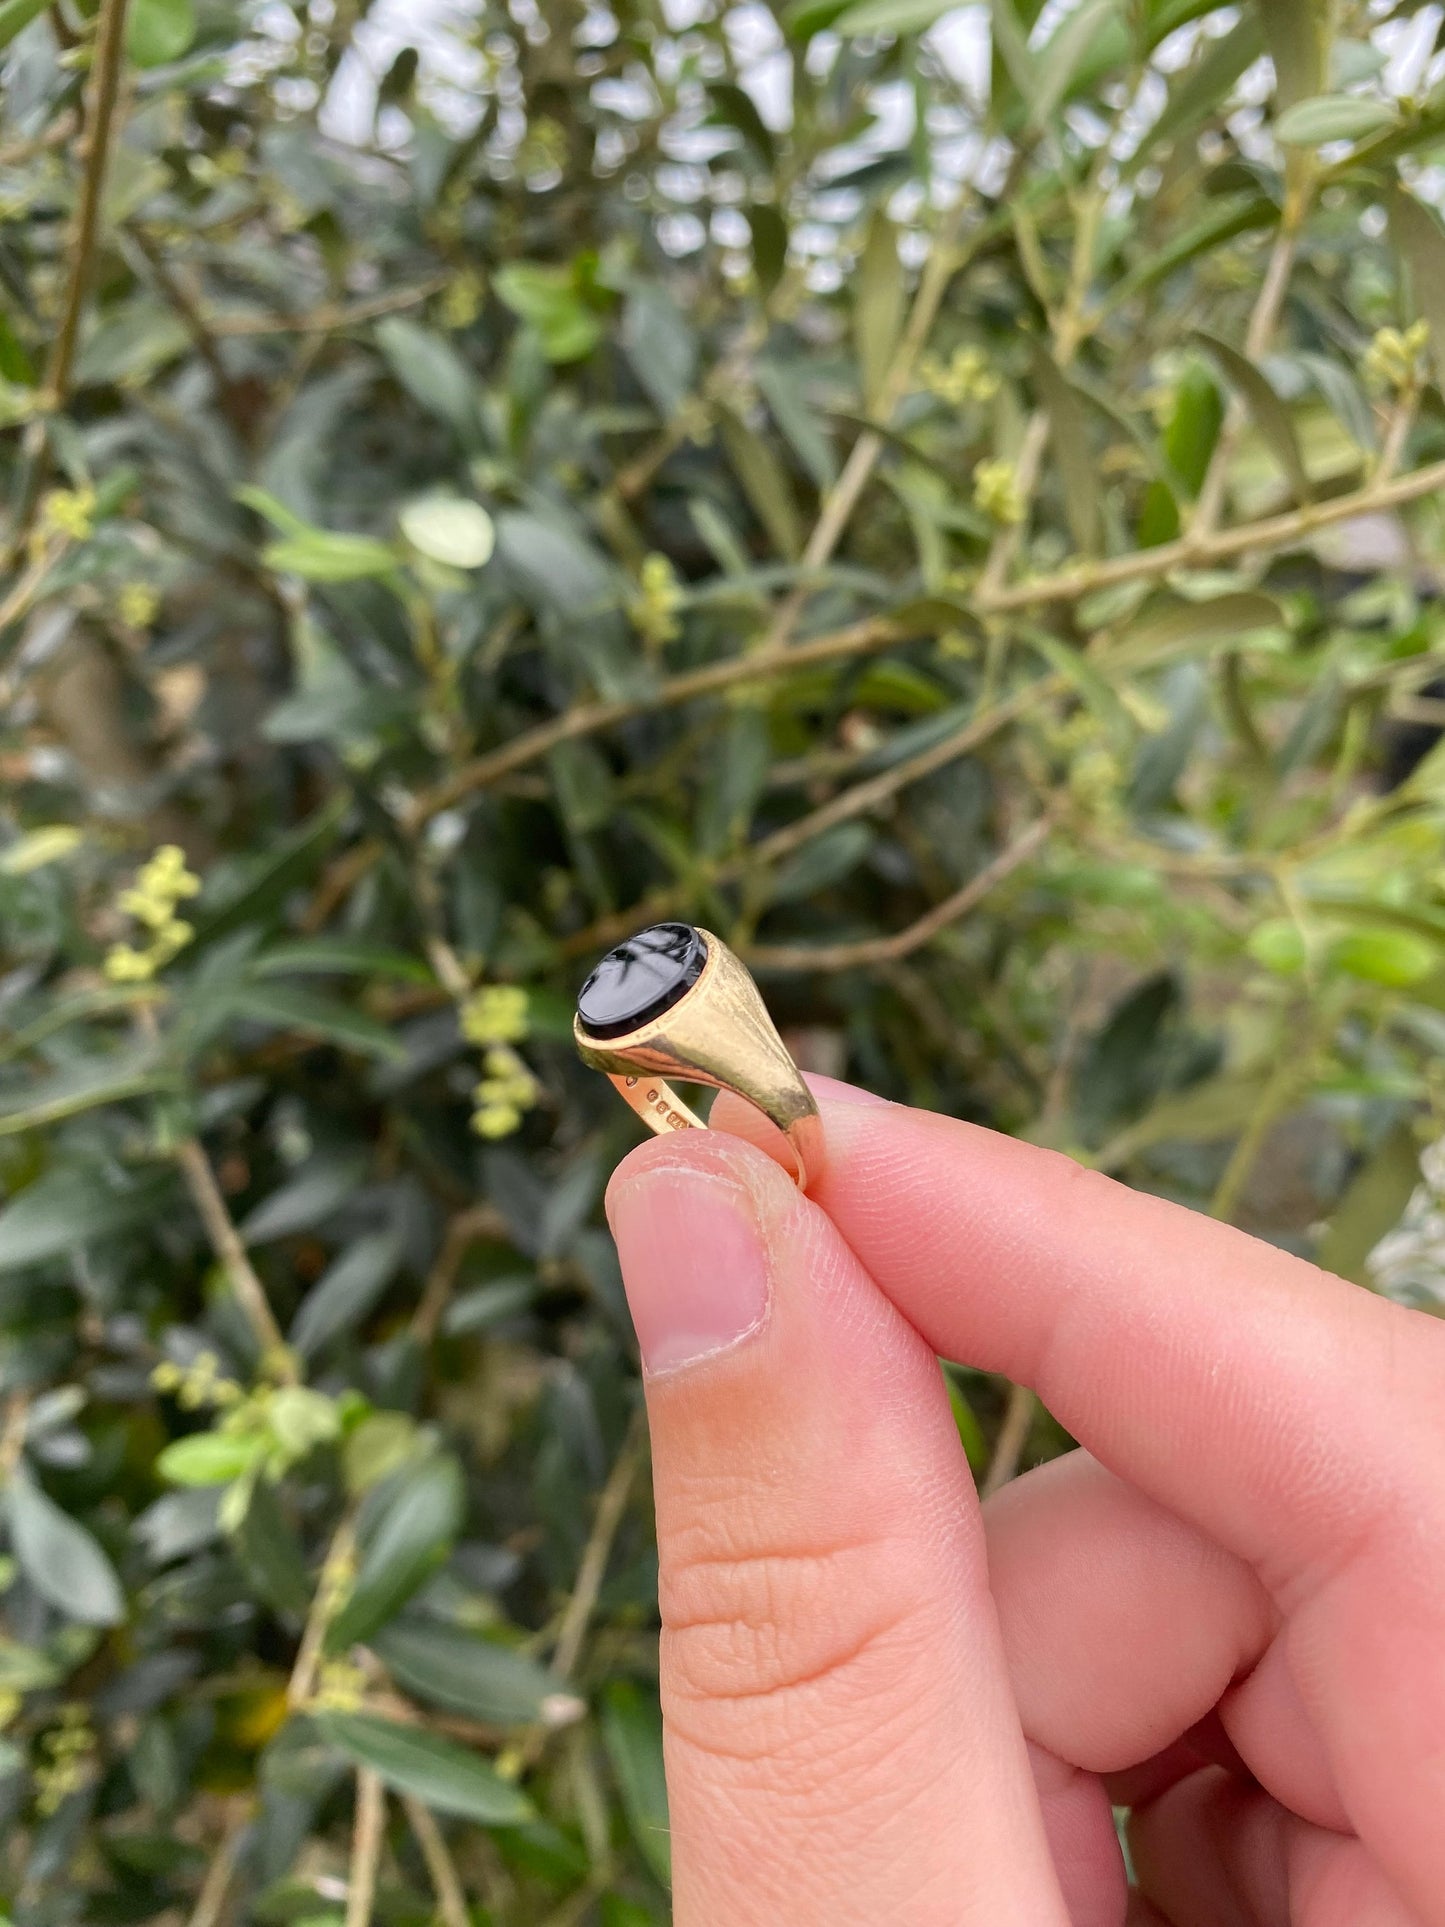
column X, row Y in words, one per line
column 692, row 1261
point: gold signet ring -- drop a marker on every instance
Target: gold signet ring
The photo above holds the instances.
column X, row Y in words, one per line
column 675, row 1002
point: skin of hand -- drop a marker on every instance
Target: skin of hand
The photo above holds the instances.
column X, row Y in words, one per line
column 1227, row 1610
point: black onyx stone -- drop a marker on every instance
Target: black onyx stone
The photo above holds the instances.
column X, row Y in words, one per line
column 641, row 979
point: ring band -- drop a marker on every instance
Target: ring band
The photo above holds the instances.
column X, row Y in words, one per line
column 674, row 1001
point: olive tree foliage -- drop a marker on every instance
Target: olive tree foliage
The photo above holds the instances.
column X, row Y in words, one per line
column 947, row 500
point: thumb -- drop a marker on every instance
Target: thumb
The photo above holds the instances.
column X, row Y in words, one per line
column 841, row 1742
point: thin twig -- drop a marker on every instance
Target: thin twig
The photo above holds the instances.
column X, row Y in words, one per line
column 881, row 950
column 101, row 94
column 1068, row 585
column 867, row 796
column 1275, row 1099
column 211, row 1901
column 226, row 1243
column 1402, row 420
column 1262, row 324
column 27, row 586
column 943, row 262
column 329, row 319
column 478, row 1221
column 1188, row 552
column 586, row 719
column 17, row 153
column 441, row 1868
column 365, row 1847
column 173, row 289
column 12, row 1436
column 574, row 1908
column 858, row 801
column 1007, row 542
column 301, row 1686
column 1013, row 1436
column 591, row 1570
column 593, row 1566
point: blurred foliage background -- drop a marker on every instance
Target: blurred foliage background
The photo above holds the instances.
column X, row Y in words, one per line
column 949, row 499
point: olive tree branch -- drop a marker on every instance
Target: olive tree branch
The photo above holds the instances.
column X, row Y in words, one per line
column 235, row 1261
column 441, row 1868
column 892, row 949
column 857, row 801
column 333, row 318
column 1066, row 332
column 945, row 259
column 1193, row 552
column 586, row 719
column 591, row 1571
column 1383, row 492
column 611, row 1506
column 464, row 1230
column 335, row 1568
column 1013, row 1436
column 365, row 1847
column 211, row 1901
column 1262, row 325
column 101, row 95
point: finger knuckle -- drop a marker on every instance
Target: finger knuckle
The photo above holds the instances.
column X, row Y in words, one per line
column 756, row 1639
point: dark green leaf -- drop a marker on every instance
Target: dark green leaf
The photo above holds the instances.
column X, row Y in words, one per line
column 1235, row 215
column 421, row 1513
column 315, row 1016
column 1271, row 417
column 1421, row 241
column 1372, row 1206
column 15, row 364
column 1069, row 430
column 339, row 957
column 764, row 482
column 770, row 243
column 660, row 345
column 1196, row 628
column 442, row 1775
column 268, row 1548
column 826, row 860
column 306, row 1200
column 733, row 106
column 71, row 1207
column 431, row 371
column 292, row 860
column 464, row 1674
column 632, row 1729
column 1204, row 88
column 63, row 1561
column 346, row 1292
column 782, row 389
column 86, row 1089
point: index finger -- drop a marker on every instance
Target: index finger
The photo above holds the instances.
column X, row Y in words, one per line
column 1278, row 1407
column 1293, row 1417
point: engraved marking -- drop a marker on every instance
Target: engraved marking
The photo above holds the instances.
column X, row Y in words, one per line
column 632, row 1083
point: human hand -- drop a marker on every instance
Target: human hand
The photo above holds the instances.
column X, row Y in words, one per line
column 884, row 1707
